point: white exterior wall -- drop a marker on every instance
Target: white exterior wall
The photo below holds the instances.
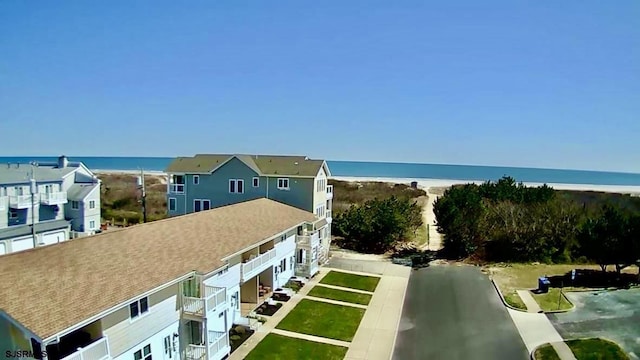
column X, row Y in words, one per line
column 285, row 250
column 229, row 280
column 128, row 336
column 320, row 197
column 157, row 345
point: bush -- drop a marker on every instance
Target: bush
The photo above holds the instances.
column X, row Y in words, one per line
column 378, row 225
column 240, row 329
column 235, row 337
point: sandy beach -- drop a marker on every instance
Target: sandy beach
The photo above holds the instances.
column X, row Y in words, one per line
column 432, row 183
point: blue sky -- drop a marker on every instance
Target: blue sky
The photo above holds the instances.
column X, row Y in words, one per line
column 517, row 83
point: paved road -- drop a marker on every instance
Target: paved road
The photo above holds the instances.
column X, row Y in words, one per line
column 613, row 315
column 453, row 312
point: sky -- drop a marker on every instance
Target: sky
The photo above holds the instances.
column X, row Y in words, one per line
column 551, row 84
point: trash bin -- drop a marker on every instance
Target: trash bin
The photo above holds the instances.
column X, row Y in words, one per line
column 543, row 284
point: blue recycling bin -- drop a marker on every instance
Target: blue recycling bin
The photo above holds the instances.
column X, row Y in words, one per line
column 543, row 284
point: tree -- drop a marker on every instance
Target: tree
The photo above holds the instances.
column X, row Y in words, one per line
column 458, row 214
column 377, row 225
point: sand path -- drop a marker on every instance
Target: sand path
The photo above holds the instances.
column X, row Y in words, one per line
column 435, row 238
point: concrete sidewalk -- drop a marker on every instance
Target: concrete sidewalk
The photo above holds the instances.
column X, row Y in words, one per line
column 311, row 337
column 347, row 289
column 335, row 302
column 376, row 335
column 529, row 301
column 536, row 330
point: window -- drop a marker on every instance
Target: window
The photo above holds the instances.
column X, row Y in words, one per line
column 138, row 308
column 92, row 204
column 75, row 205
column 92, row 225
column 19, row 190
column 172, row 204
column 256, row 182
column 283, row 184
column 167, row 346
column 236, row 186
column 201, row 205
column 321, row 185
column 283, row 265
column 320, row 211
column 196, row 179
column 143, row 354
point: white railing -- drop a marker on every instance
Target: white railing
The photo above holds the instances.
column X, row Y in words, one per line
column 218, row 343
column 98, row 350
column 54, row 198
column 20, row 201
column 329, row 192
column 3, row 203
column 196, row 352
column 254, row 266
column 213, row 298
column 176, row 188
column 193, row 305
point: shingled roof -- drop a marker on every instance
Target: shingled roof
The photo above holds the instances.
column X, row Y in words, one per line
column 264, row 165
column 61, row 285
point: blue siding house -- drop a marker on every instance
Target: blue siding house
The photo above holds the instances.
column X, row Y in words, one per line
column 207, row 181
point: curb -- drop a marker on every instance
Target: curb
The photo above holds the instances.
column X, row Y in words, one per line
column 504, row 302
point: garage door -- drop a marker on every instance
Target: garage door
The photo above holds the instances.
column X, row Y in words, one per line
column 22, row 244
column 53, row 238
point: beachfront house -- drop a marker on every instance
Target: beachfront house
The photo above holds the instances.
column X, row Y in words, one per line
column 207, row 181
column 168, row 289
column 46, row 203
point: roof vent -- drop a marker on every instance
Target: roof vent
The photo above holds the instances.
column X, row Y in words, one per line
column 306, row 158
column 295, row 163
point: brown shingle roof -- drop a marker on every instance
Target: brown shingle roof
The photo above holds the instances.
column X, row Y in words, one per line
column 61, row 285
column 272, row 165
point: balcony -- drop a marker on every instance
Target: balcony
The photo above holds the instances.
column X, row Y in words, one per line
column 213, row 298
column 217, row 342
column 98, row 350
column 196, row 352
column 329, row 192
column 176, row 188
column 329, row 218
column 3, row 203
column 309, row 241
column 54, row 198
column 20, row 201
column 257, row 265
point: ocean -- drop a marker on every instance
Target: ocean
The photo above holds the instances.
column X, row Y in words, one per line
column 381, row 169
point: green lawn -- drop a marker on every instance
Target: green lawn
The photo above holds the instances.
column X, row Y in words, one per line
column 514, row 300
column 340, row 295
column 549, row 301
column 546, row 352
column 596, row 349
column 360, row 282
column 323, row 319
column 278, row 347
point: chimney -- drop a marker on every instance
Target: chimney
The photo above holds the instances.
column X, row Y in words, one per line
column 63, row 162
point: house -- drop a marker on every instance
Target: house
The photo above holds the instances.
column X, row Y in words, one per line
column 168, row 289
column 207, row 181
column 46, row 203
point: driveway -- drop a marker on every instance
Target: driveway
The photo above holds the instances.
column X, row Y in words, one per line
column 453, row 312
column 613, row 315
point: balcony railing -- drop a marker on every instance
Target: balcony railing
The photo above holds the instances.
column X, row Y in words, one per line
column 3, row 203
column 213, row 298
column 309, row 241
column 218, row 341
column 54, row 198
column 176, row 188
column 329, row 192
column 257, row 265
column 196, row 352
column 20, row 201
column 98, row 350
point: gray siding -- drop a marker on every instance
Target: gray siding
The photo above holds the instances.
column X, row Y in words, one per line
column 300, row 193
column 215, row 187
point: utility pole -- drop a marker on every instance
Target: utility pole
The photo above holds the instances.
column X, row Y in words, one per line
column 144, row 196
column 33, row 189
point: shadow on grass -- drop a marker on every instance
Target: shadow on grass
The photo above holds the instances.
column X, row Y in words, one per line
column 594, row 279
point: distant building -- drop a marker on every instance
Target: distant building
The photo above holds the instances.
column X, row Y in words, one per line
column 46, row 203
column 207, row 181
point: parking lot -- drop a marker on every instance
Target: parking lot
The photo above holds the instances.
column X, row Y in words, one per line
column 613, row 315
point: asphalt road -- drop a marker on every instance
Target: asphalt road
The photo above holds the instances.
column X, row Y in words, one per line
column 612, row 315
column 453, row 312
